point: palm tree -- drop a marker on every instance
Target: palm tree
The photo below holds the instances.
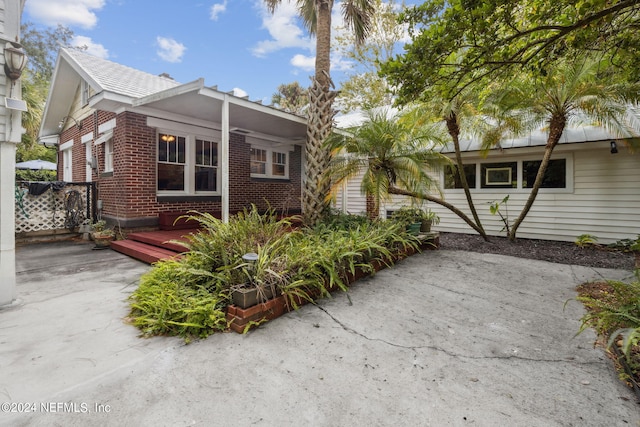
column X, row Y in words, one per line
column 291, row 97
column 394, row 153
column 316, row 15
column 453, row 112
column 583, row 91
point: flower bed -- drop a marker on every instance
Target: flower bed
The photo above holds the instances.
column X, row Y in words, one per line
column 300, row 264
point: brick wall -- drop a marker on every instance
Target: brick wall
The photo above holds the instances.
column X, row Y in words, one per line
column 244, row 190
column 130, row 191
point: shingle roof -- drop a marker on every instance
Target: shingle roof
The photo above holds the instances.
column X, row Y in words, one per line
column 117, row 78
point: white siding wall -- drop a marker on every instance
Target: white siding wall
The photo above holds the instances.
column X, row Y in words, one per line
column 602, row 198
column 355, row 203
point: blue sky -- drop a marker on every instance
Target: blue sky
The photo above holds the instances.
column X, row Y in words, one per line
column 234, row 44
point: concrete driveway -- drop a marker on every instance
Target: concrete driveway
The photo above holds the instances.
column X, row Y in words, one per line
column 445, row 338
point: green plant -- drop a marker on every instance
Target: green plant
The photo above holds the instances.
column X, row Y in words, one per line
column 627, row 245
column 100, row 230
column 187, row 296
column 408, row 215
column 615, row 312
column 585, row 240
column 494, row 208
column 167, row 303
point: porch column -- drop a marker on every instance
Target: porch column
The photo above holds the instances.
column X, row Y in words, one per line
column 224, row 155
column 7, row 206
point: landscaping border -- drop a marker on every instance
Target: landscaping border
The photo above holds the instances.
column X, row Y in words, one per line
column 242, row 320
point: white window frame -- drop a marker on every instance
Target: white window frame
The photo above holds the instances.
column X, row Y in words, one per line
column 108, row 155
column 190, row 164
column 84, row 93
column 269, row 165
column 67, row 161
column 567, row 157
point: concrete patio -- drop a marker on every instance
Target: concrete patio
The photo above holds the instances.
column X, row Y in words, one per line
column 445, row 338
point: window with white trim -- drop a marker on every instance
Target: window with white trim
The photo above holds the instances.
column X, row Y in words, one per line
column 187, row 164
column 269, row 163
column 108, row 155
column 84, row 95
column 67, row 161
column 506, row 175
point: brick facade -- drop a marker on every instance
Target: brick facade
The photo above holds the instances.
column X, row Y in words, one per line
column 128, row 193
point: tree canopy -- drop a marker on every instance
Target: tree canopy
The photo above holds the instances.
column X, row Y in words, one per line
column 458, row 42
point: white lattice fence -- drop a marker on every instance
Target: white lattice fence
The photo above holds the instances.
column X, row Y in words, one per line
column 52, row 209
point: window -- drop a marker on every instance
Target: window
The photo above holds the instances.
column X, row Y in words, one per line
column 499, row 175
column 66, row 150
column 266, row 163
column 187, row 164
column 84, row 93
column 171, row 162
column 206, row 165
column 279, row 164
column 108, row 155
column 554, row 177
column 452, row 178
column 258, row 161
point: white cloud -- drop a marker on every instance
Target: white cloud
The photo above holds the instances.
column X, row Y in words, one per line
column 306, row 63
column 283, row 28
column 217, row 9
column 65, row 12
column 169, row 49
column 95, row 49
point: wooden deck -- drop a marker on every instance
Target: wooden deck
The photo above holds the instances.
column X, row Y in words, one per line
column 152, row 246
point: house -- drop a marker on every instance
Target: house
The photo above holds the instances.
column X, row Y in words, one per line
column 156, row 148
column 592, row 187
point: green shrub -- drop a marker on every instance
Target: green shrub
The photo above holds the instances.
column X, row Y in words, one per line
column 187, row 297
column 615, row 312
column 166, row 303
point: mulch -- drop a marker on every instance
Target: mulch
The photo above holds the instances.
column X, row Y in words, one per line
column 598, row 256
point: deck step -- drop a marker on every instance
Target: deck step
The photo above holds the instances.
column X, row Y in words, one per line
column 142, row 251
column 162, row 239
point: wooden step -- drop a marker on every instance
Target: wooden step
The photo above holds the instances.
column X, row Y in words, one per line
column 162, row 238
column 142, row 251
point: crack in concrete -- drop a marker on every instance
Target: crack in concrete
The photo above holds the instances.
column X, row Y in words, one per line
column 452, row 354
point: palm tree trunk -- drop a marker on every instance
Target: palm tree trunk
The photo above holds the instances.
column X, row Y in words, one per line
column 321, row 113
column 556, row 127
column 454, row 131
column 401, row 192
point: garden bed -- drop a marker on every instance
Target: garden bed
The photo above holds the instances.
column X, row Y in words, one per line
column 242, row 320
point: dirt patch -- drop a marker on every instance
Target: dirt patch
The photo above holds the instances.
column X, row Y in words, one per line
column 544, row 250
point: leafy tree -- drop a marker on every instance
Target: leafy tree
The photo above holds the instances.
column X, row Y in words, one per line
column 316, row 16
column 366, row 89
column 41, row 47
column 291, row 97
column 583, row 91
column 393, row 153
column 458, row 42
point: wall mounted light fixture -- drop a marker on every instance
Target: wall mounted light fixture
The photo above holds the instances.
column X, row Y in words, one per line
column 614, row 147
column 62, row 122
column 15, row 59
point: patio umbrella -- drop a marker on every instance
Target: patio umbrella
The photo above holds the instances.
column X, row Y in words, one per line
column 37, row 165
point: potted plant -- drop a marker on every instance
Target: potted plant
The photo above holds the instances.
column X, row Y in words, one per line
column 101, row 234
column 410, row 217
column 427, row 219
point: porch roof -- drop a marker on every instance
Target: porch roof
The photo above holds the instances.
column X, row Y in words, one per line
column 118, row 87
